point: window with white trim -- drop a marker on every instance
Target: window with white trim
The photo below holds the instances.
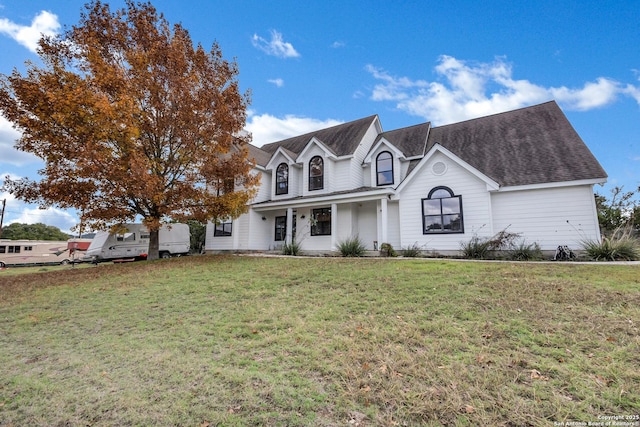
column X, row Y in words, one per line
column 282, row 179
column 384, row 168
column 316, row 173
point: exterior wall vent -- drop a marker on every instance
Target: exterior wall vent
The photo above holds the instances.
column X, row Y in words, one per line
column 439, row 168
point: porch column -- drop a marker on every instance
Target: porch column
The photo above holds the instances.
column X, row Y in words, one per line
column 288, row 237
column 383, row 217
column 334, row 226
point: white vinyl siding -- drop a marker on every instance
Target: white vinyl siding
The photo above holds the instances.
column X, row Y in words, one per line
column 550, row 217
column 366, row 223
column 342, row 179
column 264, row 186
column 393, row 227
column 347, row 223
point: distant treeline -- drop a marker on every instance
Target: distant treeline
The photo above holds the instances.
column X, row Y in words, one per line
column 37, row 231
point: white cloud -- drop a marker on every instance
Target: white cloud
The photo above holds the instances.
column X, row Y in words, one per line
column 467, row 89
column 45, row 23
column 633, row 91
column 593, row 95
column 266, row 128
column 276, row 46
column 277, row 82
column 8, row 137
column 338, row 44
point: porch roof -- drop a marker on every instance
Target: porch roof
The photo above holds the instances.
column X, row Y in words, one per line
column 346, row 196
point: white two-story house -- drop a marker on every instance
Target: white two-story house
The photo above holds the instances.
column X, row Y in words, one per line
column 525, row 171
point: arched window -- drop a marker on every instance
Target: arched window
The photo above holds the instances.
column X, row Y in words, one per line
column 282, row 179
column 384, row 168
column 316, row 173
column 442, row 212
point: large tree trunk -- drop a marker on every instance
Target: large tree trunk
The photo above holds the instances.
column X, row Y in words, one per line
column 154, row 245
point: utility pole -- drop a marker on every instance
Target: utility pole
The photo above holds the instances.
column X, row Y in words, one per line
column 4, row 203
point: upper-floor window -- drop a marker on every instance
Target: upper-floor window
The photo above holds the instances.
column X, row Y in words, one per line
column 384, row 168
column 316, row 173
column 282, row 179
column 442, row 212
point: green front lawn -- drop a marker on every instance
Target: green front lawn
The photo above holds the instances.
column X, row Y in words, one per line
column 203, row 341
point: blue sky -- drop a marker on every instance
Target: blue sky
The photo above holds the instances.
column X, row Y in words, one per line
column 315, row 64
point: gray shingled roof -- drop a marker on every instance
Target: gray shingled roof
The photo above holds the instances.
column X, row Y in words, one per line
column 342, row 139
column 260, row 156
column 531, row 145
column 412, row 140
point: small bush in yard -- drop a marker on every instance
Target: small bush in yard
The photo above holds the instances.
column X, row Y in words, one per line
column 386, row 249
column 352, row 247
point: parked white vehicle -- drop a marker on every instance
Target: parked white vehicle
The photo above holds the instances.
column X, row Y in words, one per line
column 33, row 252
column 133, row 243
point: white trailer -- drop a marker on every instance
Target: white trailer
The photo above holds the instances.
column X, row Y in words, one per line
column 132, row 242
column 33, row 252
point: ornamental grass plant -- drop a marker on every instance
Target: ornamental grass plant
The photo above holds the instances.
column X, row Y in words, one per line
column 352, row 247
column 622, row 245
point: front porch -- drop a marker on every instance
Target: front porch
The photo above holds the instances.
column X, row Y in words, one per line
column 319, row 224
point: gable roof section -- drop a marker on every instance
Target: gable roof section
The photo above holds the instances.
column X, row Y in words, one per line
column 280, row 152
column 531, row 145
column 342, row 139
column 412, row 140
column 260, row 156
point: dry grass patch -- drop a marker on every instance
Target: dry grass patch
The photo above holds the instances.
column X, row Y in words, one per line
column 316, row 341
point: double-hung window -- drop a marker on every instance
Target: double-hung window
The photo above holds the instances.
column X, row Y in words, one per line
column 442, row 212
